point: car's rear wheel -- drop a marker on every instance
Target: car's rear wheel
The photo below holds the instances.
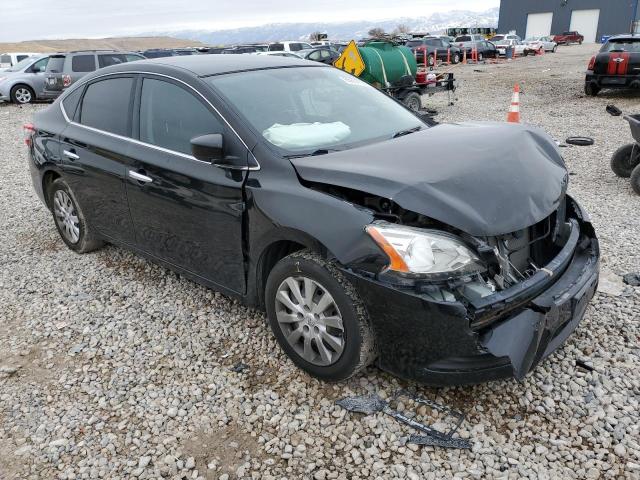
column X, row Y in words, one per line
column 625, row 160
column 635, row 179
column 318, row 318
column 591, row 90
column 70, row 220
column 22, row 94
column 456, row 58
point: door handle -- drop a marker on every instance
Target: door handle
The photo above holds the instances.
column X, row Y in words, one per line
column 70, row 154
column 140, row 177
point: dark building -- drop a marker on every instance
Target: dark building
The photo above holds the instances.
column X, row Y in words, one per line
column 591, row 18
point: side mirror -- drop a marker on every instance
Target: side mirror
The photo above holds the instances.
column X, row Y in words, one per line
column 613, row 111
column 208, row 148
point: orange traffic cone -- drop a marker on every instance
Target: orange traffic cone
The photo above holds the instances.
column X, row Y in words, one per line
column 514, row 111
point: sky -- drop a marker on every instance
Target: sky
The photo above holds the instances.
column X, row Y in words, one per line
column 47, row 19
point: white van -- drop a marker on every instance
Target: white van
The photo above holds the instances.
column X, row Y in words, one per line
column 9, row 59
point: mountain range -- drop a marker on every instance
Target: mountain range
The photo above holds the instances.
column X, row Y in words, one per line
column 434, row 23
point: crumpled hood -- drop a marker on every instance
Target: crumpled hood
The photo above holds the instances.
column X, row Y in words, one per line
column 483, row 178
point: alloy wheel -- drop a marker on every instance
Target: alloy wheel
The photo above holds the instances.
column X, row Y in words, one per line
column 23, row 95
column 66, row 216
column 310, row 320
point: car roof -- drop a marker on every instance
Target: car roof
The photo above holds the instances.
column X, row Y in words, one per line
column 208, row 65
column 626, row 36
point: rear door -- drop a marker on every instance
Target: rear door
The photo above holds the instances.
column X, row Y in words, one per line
column 95, row 150
column 186, row 212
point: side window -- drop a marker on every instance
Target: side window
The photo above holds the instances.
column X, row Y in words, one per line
column 295, row 47
column 40, row 65
column 71, row 101
column 132, row 57
column 170, row 116
column 56, row 64
column 325, row 54
column 105, row 105
column 315, row 56
column 108, row 59
column 21, row 57
column 83, row 63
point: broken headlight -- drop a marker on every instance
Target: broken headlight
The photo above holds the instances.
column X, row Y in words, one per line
column 417, row 251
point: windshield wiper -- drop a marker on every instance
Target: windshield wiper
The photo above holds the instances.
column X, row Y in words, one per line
column 402, row 133
column 315, row 153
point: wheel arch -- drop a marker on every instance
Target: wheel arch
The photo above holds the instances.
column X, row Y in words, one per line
column 23, row 84
column 48, row 178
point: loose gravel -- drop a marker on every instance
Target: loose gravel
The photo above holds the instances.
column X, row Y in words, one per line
column 113, row 367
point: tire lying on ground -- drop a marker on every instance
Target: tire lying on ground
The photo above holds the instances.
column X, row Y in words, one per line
column 625, row 160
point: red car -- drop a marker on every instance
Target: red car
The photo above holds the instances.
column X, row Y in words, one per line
column 568, row 37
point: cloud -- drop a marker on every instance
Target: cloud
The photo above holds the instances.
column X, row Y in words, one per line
column 39, row 19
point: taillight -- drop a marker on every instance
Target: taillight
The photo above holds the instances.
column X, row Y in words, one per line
column 29, row 132
column 592, row 63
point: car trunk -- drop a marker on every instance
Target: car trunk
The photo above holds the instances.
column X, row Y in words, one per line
column 617, row 63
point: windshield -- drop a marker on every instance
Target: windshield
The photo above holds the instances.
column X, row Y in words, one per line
column 304, row 109
column 21, row 64
column 622, row 45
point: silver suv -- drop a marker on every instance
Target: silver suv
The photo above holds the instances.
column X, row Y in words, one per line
column 24, row 82
column 64, row 69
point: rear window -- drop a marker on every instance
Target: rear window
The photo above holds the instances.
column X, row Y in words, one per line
column 83, row 63
column 56, row 64
column 105, row 105
column 5, row 59
column 622, row 45
column 464, row 38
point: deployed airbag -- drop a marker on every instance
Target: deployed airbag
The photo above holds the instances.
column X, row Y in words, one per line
column 306, row 135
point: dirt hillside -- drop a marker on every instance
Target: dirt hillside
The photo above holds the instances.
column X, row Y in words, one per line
column 116, row 43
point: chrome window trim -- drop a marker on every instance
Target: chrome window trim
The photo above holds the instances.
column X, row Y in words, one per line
column 150, row 145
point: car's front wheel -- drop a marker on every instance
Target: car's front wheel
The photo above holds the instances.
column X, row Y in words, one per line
column 456, row 58
column 555, row 49
column 22, row 94
column 318, row 318
column 70, row 220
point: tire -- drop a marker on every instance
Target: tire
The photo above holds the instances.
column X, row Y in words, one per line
column 349, row 330
column 70, row 220
column 413, row 101
column 635, row 179
column 591, row 90
column 430, row 61
column 455, row 59
column 480, row 57
column 555, row 49
column 22, row 94
column 625, row 160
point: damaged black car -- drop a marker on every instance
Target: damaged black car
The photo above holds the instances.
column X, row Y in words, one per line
column 367, row 235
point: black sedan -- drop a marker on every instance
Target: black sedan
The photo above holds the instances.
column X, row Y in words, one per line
column 365, row 234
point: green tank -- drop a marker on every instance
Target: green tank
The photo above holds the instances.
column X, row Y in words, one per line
column 386, row 63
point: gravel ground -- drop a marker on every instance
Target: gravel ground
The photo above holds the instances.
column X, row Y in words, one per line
column 112, row 367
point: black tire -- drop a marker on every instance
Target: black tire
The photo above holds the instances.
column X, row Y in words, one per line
column 87, row 240
column 635, row 179
column 555, row 49
column 413, row 101
column 625, row 160
column 455, row 59
column 591, row 90
column 480, row 57
column 358, row 340
column 22, row 94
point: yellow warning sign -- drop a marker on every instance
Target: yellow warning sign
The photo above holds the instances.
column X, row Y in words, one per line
column 351, row 61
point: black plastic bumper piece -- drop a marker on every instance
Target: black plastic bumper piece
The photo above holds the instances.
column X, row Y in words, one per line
column 433, row 343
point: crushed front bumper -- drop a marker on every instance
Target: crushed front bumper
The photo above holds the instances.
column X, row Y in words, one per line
column 434, row 342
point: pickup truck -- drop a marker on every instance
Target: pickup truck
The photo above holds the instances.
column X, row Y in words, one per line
column 568, row 37
column 617, row 65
